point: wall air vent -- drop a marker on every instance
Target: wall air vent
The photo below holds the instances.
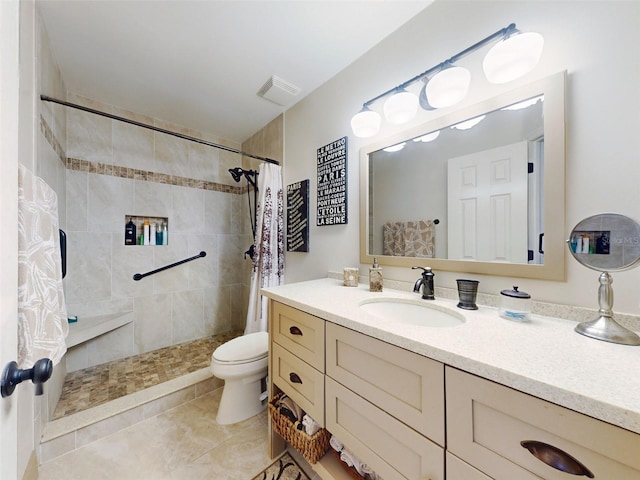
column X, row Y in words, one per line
column 278, row 91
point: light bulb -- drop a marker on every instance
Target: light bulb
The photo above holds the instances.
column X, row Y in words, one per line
column 401, row 107
column 366, row 123
column 512, row 58
column 448, row 87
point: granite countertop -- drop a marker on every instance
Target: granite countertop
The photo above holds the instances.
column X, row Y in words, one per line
column 543, row 357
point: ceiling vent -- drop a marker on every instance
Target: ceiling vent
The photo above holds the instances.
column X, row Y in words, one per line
column 278, row 91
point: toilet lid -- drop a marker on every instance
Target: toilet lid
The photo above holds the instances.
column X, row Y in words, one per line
column 244, row 348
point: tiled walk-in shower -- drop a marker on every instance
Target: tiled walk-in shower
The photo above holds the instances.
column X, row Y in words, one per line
column 97, row 385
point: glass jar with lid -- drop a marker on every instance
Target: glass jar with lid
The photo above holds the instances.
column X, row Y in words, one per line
column 515, row 305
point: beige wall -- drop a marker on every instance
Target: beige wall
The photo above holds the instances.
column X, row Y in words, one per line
column 596, row 42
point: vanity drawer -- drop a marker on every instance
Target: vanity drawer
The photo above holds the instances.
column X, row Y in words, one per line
column 407, row 385
column 303, row 383
column 459, row 470
column 486, row 423
column 300, row 333
column 388, row 446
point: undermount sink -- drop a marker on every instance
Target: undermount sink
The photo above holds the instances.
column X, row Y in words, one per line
column 412, row 312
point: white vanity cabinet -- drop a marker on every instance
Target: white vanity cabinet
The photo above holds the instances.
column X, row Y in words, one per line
column 489, row 426
column 386, row 404
column 297, row 357
column 411, row 417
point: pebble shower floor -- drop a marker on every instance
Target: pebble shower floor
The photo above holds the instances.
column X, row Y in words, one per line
column 96, row 385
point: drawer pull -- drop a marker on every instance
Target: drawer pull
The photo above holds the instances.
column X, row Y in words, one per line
column 556, row 458
column 295, row 331
column 295, row 378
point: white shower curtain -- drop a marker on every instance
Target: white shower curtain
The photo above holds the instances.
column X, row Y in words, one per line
column 268, row 257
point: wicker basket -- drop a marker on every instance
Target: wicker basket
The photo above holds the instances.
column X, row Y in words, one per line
column 311, row 447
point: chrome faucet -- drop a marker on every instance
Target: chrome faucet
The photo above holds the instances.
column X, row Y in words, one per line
column 426, row 282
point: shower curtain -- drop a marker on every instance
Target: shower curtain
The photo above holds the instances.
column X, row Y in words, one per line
column 268, row 257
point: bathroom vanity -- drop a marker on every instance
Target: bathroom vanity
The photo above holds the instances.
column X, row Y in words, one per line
column 476, row 397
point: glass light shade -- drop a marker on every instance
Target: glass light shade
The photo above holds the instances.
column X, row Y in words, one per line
column 366, row 123
column 448, row 87
column 512, row 58
column 429, row 137
column 401, row 107
column 467, row 124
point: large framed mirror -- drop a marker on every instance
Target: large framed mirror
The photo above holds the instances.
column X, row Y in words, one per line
column 479, row 190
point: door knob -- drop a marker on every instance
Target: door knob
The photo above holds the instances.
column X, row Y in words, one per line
column 38, row 374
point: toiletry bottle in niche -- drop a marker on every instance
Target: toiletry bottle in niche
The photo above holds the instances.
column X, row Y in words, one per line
column 152, row 234
column 159, row 234
column 145, row 232
column 165, row 233
column 375, row 277
column 130, row 233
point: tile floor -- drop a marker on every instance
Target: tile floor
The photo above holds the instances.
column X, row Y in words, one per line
column 182, row 443
column 94, row 386
column 185, row 442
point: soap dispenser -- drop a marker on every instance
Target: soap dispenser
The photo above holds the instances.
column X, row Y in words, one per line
column 375, row 277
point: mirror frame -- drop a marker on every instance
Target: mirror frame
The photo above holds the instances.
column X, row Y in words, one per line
column 554, row 267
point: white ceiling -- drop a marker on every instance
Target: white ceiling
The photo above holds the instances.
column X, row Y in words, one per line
column 200, row 64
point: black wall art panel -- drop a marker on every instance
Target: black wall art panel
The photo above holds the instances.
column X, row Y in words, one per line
column 332, row 183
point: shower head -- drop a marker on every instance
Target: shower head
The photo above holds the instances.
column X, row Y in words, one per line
column 236, row 173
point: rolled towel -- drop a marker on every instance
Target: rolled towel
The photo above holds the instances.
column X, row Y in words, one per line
column 350, row 459
column 290, row 405
column 336, row 444
column 288, row 413
column 310, row 425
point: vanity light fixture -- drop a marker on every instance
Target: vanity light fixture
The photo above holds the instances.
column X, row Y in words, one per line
column 446, row 84
column 401, row 107
column 512, row 57
column 449, row 86
column 366, row 123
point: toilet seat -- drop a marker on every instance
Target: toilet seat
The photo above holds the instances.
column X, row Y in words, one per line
column 244, row 349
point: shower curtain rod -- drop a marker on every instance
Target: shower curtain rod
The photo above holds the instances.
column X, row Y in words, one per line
column 45, row 98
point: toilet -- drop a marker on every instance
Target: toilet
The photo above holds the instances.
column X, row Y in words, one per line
column 242, row 364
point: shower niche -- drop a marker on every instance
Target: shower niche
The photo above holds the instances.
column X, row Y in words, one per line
column 146, row 230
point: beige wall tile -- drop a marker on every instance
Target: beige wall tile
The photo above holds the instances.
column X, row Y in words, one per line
column 203, row 162
column 132, row 146
column 187, row 322
column 88, row 267
column 153, row 322
column 89, row 136
column 170, row 155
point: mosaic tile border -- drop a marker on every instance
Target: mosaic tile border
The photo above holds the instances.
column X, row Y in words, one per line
column 132, row 173
column 149, row 176
column 52, row 140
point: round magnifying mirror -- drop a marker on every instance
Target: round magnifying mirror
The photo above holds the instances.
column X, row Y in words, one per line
column 606, row 242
